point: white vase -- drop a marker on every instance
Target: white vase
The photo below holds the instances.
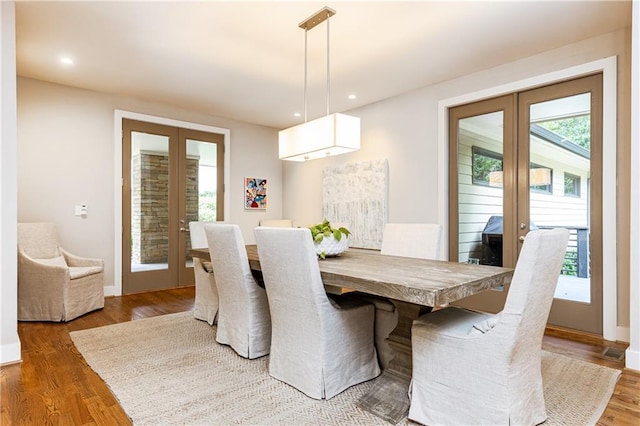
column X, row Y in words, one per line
column 332, row 247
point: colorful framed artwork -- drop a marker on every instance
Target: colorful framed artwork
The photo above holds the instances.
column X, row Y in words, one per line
column 255, row 193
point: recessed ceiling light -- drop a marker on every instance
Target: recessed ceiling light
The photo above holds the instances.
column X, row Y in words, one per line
column 65, row 60
column 352, row 96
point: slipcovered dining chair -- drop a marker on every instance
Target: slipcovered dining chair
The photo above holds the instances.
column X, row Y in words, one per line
column 474, row 368
column 319, row 345
column 418, row 240
column 53, row 284
column 206, row 301
column 277, row 223
column 243, row 311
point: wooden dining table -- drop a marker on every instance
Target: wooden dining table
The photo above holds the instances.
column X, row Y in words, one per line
column 414, row 286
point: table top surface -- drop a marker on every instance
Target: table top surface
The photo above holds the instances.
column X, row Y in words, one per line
column 420, row 281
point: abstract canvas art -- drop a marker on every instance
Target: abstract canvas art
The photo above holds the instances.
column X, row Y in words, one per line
column 355, row 194
column 255, row 193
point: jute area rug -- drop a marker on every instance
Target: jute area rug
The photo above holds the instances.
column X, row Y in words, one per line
column 169, row 370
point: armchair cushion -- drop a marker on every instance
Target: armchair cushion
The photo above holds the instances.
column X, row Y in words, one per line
column 54, row 261
column 76, row 272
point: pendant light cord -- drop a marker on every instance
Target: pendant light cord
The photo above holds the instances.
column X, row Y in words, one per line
column 305, row 74
column 328, row 71
column 310, row 23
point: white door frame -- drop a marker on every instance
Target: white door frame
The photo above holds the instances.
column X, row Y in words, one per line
column 608, row 67
column 116, row 290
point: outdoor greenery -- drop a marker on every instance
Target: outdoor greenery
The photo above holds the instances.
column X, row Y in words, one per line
column 570, row 262
column 207, row 206
column 574, row 129
column 484, row 163
column 571, row 185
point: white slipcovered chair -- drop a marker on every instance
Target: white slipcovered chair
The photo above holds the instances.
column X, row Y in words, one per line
column 53, row 284
column 418, row 240
column 206, row 301
column 243, row 312
column 320, row 346
column 474, row 368
column 277, row 223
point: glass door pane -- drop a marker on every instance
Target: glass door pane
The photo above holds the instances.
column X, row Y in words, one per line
column 560, row 170
column 149, row 202
column 201, row 190
column 201, row 186
column 481, row 189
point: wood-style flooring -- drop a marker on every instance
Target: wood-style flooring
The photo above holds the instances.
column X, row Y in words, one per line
column 54, row 386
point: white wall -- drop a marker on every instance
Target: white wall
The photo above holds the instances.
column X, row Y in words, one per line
column 9, row 341
column 404, row 129
column 66, row 157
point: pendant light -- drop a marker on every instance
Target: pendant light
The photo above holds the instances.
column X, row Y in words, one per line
column 330, row 135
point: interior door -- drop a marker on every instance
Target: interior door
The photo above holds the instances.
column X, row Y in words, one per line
column 526, row 161
column 171, row 176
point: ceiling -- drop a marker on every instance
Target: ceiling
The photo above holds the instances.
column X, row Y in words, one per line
column 245, row 60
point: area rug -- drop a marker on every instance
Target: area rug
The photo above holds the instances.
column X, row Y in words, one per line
column 169, row 370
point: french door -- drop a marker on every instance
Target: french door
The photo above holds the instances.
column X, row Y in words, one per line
column 532, row 160
column 171, row 176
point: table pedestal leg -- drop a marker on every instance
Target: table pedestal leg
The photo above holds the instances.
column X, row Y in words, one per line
column 388, row 397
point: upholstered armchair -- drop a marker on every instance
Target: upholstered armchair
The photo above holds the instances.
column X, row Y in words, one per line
column 475, row 368
column 243, row 312
column 53, row 284
column 319, row 345
column 206, row 301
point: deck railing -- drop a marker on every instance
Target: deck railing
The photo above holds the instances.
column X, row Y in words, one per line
column 576, row 259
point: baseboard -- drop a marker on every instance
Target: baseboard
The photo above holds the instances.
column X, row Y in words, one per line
column 110, row 290
column 10, row 353
column 623, row 334
column 632, row 359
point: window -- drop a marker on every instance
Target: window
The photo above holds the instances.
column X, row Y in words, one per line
column 484, row 162
column 540, row 178
column 571, row 185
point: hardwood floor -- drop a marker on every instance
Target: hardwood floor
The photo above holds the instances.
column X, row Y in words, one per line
column 54, row 386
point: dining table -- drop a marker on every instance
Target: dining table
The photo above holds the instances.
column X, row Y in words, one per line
column 414, row 286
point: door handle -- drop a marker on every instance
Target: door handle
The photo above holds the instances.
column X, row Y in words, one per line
column 184, row 230
column 522, row 237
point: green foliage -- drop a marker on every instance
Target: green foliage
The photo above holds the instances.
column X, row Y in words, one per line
column 574, row 129
column 570, row 263
column 324, row 229
column 207, row 206
column 483, row 165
